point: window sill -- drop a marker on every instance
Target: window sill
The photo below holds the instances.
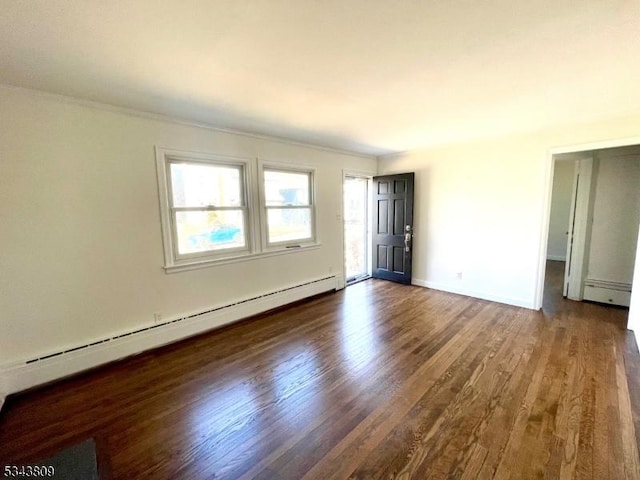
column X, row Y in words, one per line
column 197, row 264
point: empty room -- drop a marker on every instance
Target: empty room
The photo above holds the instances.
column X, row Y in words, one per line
column 319, row 239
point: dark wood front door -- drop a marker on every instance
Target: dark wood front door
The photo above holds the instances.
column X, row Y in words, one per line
column 393, row 227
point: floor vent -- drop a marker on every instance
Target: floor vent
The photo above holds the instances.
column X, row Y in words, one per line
column 170, row 322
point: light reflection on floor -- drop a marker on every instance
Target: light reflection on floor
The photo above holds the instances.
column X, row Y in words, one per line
column 222, row 415
column 297, row 390
column 228, row 414
column 358, row 335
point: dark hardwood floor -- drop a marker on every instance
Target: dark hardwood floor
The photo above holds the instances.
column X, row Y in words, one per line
column 378, row 381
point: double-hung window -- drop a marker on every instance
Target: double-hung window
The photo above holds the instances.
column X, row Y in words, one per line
column 289, row 211
column 207, row 214
column 218, row 209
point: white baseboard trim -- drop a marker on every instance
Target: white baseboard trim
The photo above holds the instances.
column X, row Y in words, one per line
column 517, row 302
column 557, row 258
column 27, row 374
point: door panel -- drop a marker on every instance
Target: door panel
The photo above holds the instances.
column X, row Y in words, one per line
column 398, row 217
column 382, row 257
column 383, row 216
column 393, row 222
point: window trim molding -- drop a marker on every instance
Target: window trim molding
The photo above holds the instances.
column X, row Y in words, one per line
column 196, row 265
column 255, row 221
column 264, row 164
column 172, row 259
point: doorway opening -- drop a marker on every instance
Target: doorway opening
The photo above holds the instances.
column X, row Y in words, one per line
column 561, row 225
column 357, row 232
column 593, row 226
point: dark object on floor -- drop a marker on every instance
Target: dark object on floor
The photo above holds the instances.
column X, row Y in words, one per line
column 74, row 463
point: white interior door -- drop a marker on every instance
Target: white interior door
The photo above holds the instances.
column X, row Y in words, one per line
column 570, row 233
column 579, row 227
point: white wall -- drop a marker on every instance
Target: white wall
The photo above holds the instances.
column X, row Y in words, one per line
column 80, row 242
column 560, row 206
column 616, row 217
column 482, row 207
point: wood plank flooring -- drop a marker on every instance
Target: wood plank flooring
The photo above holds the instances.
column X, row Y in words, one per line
column 378, row 381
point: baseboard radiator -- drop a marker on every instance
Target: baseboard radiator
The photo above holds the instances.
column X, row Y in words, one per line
column 64, row 362
column 604, row 291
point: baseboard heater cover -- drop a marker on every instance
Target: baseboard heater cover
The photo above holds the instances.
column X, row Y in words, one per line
column 45, row 368
column 604, row 291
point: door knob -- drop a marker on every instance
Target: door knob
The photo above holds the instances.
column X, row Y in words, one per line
column 407, row 238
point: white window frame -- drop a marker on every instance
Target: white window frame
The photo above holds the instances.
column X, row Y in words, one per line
column 175, row 260
column 254, row 205
column 289, row 244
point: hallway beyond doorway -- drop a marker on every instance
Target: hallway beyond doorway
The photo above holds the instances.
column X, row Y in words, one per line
column 553, row 302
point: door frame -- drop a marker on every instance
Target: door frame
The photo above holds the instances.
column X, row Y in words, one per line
column 549, row 163
column 368, row 175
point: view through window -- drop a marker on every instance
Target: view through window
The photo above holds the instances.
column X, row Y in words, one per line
column 208, row 207
column 356, row 194
column 288, row 201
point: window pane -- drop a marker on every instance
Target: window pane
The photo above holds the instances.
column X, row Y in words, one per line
column 206, row 231
column 201, row 185
column 286, row 188
column 286, row 224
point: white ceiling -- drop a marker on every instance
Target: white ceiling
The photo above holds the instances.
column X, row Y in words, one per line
column 372, row 76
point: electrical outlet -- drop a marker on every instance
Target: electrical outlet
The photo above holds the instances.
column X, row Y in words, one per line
column 157, row 317
column 459, row 275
